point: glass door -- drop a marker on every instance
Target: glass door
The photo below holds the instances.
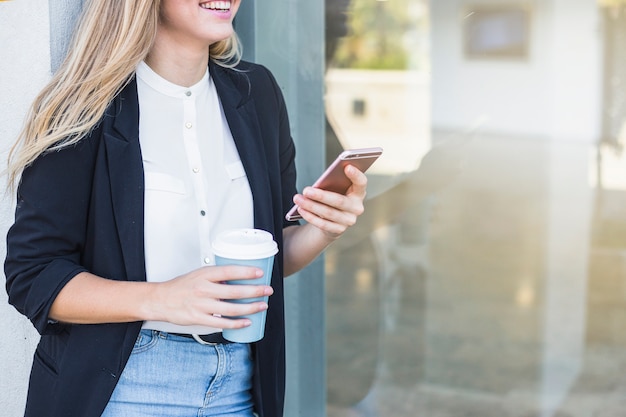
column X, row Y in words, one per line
column 488, row 274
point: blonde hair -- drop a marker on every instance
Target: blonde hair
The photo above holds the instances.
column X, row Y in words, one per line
column 113, row 36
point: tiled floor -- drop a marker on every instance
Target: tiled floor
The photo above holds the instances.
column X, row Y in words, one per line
column 499, row 291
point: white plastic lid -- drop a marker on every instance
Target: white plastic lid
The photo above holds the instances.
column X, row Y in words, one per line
column 245, row 244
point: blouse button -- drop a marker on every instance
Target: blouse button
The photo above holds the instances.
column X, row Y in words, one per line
column 207, row 260
column 188, row 125
column 187, row 93
column 196, row 170
column 202, row 213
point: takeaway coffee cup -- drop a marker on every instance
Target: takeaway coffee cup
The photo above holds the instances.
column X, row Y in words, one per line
column 250, row 247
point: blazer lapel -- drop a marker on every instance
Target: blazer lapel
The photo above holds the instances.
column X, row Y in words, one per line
column 125, row 169
column 233, row 90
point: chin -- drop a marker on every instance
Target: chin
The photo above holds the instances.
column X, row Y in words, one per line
column 217, row 36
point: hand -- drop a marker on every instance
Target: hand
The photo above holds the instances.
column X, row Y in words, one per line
column 331, row 212
column 196, row 297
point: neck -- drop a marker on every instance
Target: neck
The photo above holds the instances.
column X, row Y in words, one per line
column 180, row 64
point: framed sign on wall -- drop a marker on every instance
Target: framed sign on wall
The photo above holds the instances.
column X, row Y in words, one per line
column 500, row 32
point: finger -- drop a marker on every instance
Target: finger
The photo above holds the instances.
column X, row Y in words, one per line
column 227, row 323
column 326, row 214
column 315, row 199
column 328, row 226
column 222, row 313
column 237, row 292
column 331, row 206
column 230, row 316
column 355, row 175
column 358, row 178
column 231, row 272
column 236, row 310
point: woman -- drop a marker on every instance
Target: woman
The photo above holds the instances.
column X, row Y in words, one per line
column 133, row 158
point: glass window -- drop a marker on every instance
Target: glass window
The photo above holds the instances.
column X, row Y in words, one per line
column 488, row 274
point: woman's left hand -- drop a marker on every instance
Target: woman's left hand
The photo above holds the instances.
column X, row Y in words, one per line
column 330, row 212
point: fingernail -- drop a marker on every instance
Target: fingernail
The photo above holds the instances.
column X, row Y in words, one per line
column 263, row 306
column 247, row 323
column 268, row 291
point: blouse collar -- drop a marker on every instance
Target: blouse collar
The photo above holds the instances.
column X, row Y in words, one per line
column 160, row 84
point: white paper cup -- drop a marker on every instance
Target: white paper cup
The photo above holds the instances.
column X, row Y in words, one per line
column 249, row 247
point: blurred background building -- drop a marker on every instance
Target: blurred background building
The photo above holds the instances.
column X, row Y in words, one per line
column 498, row 288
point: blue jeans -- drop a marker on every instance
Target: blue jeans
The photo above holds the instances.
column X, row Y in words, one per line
column 173, row 376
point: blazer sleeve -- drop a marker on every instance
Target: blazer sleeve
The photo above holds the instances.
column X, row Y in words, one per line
column 287, row 151
column 45, row 242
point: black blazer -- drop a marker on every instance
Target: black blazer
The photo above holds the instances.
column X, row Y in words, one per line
column 81, row 209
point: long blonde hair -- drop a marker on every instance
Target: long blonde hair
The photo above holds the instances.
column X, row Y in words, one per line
column 113, row 36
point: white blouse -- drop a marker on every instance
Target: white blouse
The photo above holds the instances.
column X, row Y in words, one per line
column 195, row 183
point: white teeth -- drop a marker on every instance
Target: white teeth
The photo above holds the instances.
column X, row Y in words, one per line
column 216, row 5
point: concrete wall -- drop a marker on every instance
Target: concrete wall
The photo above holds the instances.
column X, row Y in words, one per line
column 30, row 32
column 25, row 67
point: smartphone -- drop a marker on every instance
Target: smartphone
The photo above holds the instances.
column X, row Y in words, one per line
column 334, row 179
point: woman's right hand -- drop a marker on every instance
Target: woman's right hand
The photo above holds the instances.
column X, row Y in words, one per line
column 196, row 298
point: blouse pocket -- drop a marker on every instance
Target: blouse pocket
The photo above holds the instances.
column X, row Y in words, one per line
column 156, row 181
column 235, row 170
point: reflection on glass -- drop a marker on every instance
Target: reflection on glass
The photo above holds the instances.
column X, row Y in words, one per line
column 488, row 274
column 497, row 31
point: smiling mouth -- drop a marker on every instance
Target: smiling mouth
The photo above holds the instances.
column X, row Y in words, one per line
column 221, row 6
